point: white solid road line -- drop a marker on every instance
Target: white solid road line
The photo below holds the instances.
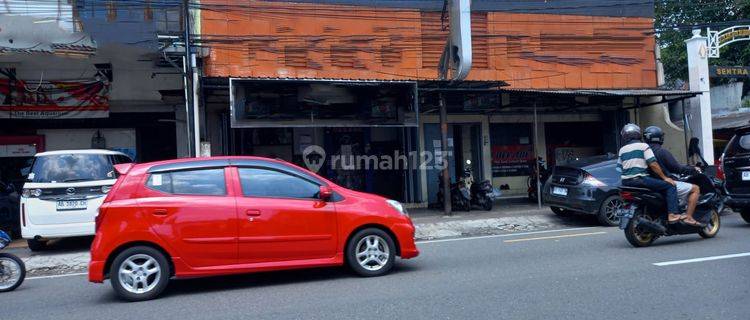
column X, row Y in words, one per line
column 570, row 235
column 58, row 276
column 726, row 256
column 505, row 235
column 418, row 242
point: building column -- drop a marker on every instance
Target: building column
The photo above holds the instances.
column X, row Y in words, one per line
column 700, row 117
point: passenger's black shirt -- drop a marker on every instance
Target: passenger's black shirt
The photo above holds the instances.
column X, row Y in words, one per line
column 667, row 162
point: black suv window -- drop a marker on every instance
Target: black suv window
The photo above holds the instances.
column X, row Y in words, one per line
column 258, row 182
column 197, row 182
column 740, row 144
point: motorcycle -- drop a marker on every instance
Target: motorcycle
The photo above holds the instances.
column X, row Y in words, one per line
column 482, row 194
column 460, row 196
column 721, row 196
column 531, row 181
column 465, row 193
column 12, row 269
column 641, row 215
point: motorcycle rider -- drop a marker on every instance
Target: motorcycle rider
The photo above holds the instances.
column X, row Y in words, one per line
column 635, row 158
column 686, row 192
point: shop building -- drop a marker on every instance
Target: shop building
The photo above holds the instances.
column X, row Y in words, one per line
column 88, row 74
column 360, row 78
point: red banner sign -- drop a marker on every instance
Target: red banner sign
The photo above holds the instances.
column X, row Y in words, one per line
column 511, row 160
column 53, row 99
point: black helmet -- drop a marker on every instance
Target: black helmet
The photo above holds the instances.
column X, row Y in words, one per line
column 653, row 134
column 630, row 132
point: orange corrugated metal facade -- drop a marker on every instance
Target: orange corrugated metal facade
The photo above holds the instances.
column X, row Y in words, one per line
column 539, row 51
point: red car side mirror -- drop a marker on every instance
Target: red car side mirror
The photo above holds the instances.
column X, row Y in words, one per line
column 325, row 193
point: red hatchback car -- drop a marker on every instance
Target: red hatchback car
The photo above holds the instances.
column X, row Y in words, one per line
column 227, row 215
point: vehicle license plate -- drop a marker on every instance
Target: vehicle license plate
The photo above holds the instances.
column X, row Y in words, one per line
column 72, row 205
column 745, row 175
column 560, row 191
column 627, row 212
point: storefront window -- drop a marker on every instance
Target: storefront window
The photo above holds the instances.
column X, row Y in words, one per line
column 570, row 141
column 512, row 149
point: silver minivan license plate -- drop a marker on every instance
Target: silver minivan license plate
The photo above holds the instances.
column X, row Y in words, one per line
column 63, row 205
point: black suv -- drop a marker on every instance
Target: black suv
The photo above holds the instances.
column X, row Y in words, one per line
column 735, row 165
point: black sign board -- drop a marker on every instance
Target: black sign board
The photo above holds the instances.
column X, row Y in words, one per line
column 729, row 72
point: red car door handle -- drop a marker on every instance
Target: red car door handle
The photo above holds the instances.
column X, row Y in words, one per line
column 252, row 212
column 160, row 212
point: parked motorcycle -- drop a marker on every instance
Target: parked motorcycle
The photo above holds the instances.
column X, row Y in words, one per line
column 643, row 210
column 466, row 193
column 460, row 196
column 482, row 193
column 12, row 269
column 531, row 181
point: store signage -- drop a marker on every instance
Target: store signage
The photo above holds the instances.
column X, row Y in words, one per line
column 511, row 160
column 20, row 99
column 17, row 150
column 729, row 72
column 719, row 39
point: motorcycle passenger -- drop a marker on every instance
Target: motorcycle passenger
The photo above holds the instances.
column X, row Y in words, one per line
column 635, row 158
column 686, row 192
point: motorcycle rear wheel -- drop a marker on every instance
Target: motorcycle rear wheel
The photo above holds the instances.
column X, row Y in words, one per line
column 638, row 238
column 8, row 262
column 487, row 206
column 714, row 224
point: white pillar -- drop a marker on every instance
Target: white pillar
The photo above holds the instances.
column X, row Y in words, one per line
column 697, row 54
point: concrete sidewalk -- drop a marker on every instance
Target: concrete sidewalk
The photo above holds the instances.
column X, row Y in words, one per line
column 72, row 256
column 506, row 216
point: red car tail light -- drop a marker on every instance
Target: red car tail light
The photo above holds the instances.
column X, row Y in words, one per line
column 720, row 168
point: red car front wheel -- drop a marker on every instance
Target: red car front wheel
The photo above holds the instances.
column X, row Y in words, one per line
column 371, row 252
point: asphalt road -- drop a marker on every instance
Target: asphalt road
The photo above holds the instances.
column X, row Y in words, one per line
column 583, row 273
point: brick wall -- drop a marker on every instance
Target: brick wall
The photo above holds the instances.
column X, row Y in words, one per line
column 541, row 51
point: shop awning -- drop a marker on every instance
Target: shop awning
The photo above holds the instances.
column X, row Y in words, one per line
column 727, row 121
column 604, row 92
column 465, row 85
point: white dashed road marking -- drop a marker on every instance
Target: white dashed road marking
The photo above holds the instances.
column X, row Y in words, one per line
column 726, row 256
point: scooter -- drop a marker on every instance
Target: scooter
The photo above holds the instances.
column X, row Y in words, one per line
column 460, row 196
column 482, row 193
column 465, row 193
column 12, row 269
column 642, row 215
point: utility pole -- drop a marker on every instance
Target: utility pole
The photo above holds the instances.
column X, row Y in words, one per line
column 455, row 64
column 445, row 174
column 189, row 79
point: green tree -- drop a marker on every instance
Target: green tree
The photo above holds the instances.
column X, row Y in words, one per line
column 673, row 22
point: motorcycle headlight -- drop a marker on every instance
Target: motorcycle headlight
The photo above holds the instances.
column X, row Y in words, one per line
column 398, row 206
